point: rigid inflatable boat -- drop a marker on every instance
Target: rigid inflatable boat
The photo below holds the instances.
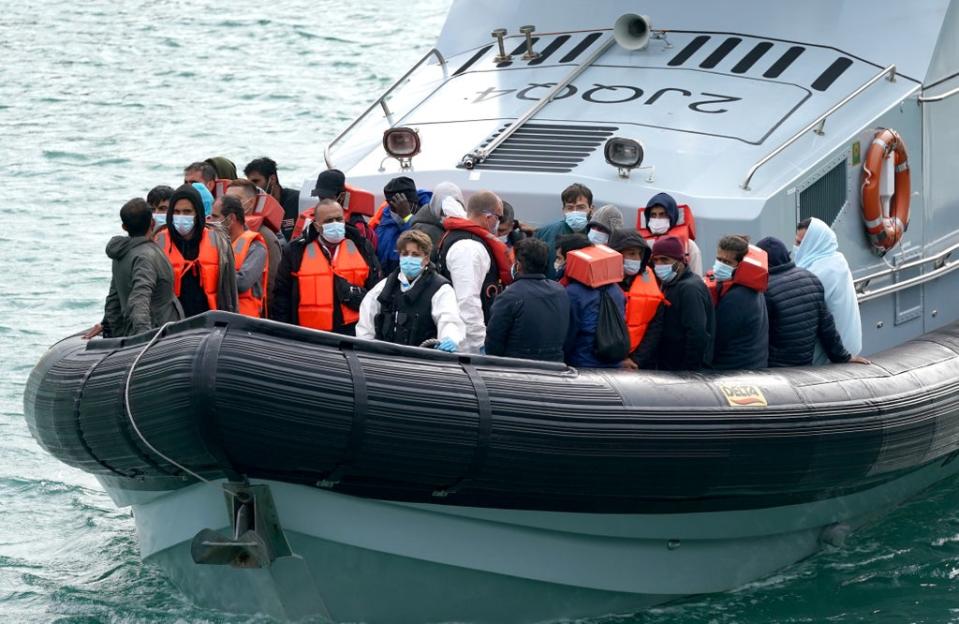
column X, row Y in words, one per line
column 506, row 470
column 279, row 470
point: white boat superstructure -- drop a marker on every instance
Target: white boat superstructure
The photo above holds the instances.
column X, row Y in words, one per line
column 755, row 116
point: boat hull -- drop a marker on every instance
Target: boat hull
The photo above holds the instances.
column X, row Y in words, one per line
column 379, row 561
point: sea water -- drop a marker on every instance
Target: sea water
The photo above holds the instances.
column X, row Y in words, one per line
column 100, row 101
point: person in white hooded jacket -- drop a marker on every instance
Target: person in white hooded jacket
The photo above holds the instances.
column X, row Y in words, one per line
column 817, row 251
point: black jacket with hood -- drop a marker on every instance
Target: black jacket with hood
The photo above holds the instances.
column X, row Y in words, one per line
column 141, row 288
column 286, row 295
column 798, row 315
column 192, row 297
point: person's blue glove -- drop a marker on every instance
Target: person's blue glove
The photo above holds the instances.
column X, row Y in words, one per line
column 446, row 344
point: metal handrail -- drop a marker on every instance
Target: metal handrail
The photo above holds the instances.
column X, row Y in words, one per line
column 943, row 266
column 940, row 97
column 381, row 101
column 818, row 123
column 480, row 154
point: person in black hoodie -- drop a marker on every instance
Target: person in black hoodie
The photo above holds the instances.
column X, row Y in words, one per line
column 530, row 318
column 798, row 315
column 742, row 323
column 197, row 250
column 332, row 301
column 686, row 342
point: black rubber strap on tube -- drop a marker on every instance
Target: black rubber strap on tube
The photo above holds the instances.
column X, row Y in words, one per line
column 204, row 385
column 358, row 429
column 484, row 429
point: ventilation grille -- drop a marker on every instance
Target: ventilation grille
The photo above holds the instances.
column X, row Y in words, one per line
column 825, row 197
column 546, row 147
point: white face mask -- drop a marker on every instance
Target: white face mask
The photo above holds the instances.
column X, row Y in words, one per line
column 597, row 238
column 659, row 226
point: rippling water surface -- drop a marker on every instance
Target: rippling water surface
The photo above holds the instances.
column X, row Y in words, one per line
column 99, row 101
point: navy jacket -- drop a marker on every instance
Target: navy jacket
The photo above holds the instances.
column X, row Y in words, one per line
column 686, row 342
column 798, row 317
column 529, row 320
column 742, row 330
column 583, row 318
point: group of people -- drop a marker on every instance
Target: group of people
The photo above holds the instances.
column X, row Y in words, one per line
column 433, row 268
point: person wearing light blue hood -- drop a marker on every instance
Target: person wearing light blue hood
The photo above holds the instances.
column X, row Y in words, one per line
column 577, row 210
column 817, row 251
column 206, row 197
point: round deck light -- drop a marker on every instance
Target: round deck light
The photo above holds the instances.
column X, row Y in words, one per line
column 624, row 154
column 402, row 144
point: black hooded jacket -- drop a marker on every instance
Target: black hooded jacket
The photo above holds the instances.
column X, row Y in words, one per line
column 286, row 296
column 688, row 325
column 192, row 297
column 798, row 315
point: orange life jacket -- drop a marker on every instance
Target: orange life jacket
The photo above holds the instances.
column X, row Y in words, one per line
column 642, row 302
column 206, row 266
column 315, row 282
column 219, row 187
column 358, row 201
column 249, row 304
column 378, row 216
column 752, row 272
column 684, row 230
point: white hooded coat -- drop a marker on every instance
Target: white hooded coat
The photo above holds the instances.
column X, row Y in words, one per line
column 819, row 253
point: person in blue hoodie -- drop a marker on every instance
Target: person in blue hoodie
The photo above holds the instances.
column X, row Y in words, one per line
column 402, row 202
column 817, row 250
column 662, row 219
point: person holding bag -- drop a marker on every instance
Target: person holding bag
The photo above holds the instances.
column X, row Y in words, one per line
column 597, row 336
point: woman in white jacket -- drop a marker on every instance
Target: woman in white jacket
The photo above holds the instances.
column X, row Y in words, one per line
column 414, row 303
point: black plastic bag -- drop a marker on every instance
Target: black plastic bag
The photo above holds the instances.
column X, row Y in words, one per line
column 612, row 337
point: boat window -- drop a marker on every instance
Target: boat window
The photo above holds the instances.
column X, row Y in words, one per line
column 825, row 197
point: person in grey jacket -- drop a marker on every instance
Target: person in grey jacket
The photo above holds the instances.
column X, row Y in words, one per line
column 141, row 289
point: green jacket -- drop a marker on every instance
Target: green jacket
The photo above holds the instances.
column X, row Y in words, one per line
column 141, row 289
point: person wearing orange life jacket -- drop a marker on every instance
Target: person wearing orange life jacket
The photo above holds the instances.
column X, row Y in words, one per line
column 249, row 256
column 263, row 173
column 248, row 194
column 737, row 282
column 325, row 274
column 204, row 277
column 662, row 217
column 644, row 299
column 472, row 258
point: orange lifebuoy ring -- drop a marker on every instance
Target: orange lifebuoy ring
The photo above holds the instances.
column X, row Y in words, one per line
column 885, row 230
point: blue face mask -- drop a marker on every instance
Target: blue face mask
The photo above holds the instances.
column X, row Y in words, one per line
column 411, row 266
column 632, row 267
column 334, row 232
column 665, row 272
column 795, row 251
column 597, row 237
column 722, row 271
column 184, row 224
column 577, row 220
column 159, row 218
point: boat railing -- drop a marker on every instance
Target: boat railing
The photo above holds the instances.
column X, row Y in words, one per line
column 818, row 125
column 942, row 263
column 381, row 101
column 480, row 154
column 940, row 97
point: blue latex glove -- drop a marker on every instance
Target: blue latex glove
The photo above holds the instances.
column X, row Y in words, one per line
column 446, row 344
